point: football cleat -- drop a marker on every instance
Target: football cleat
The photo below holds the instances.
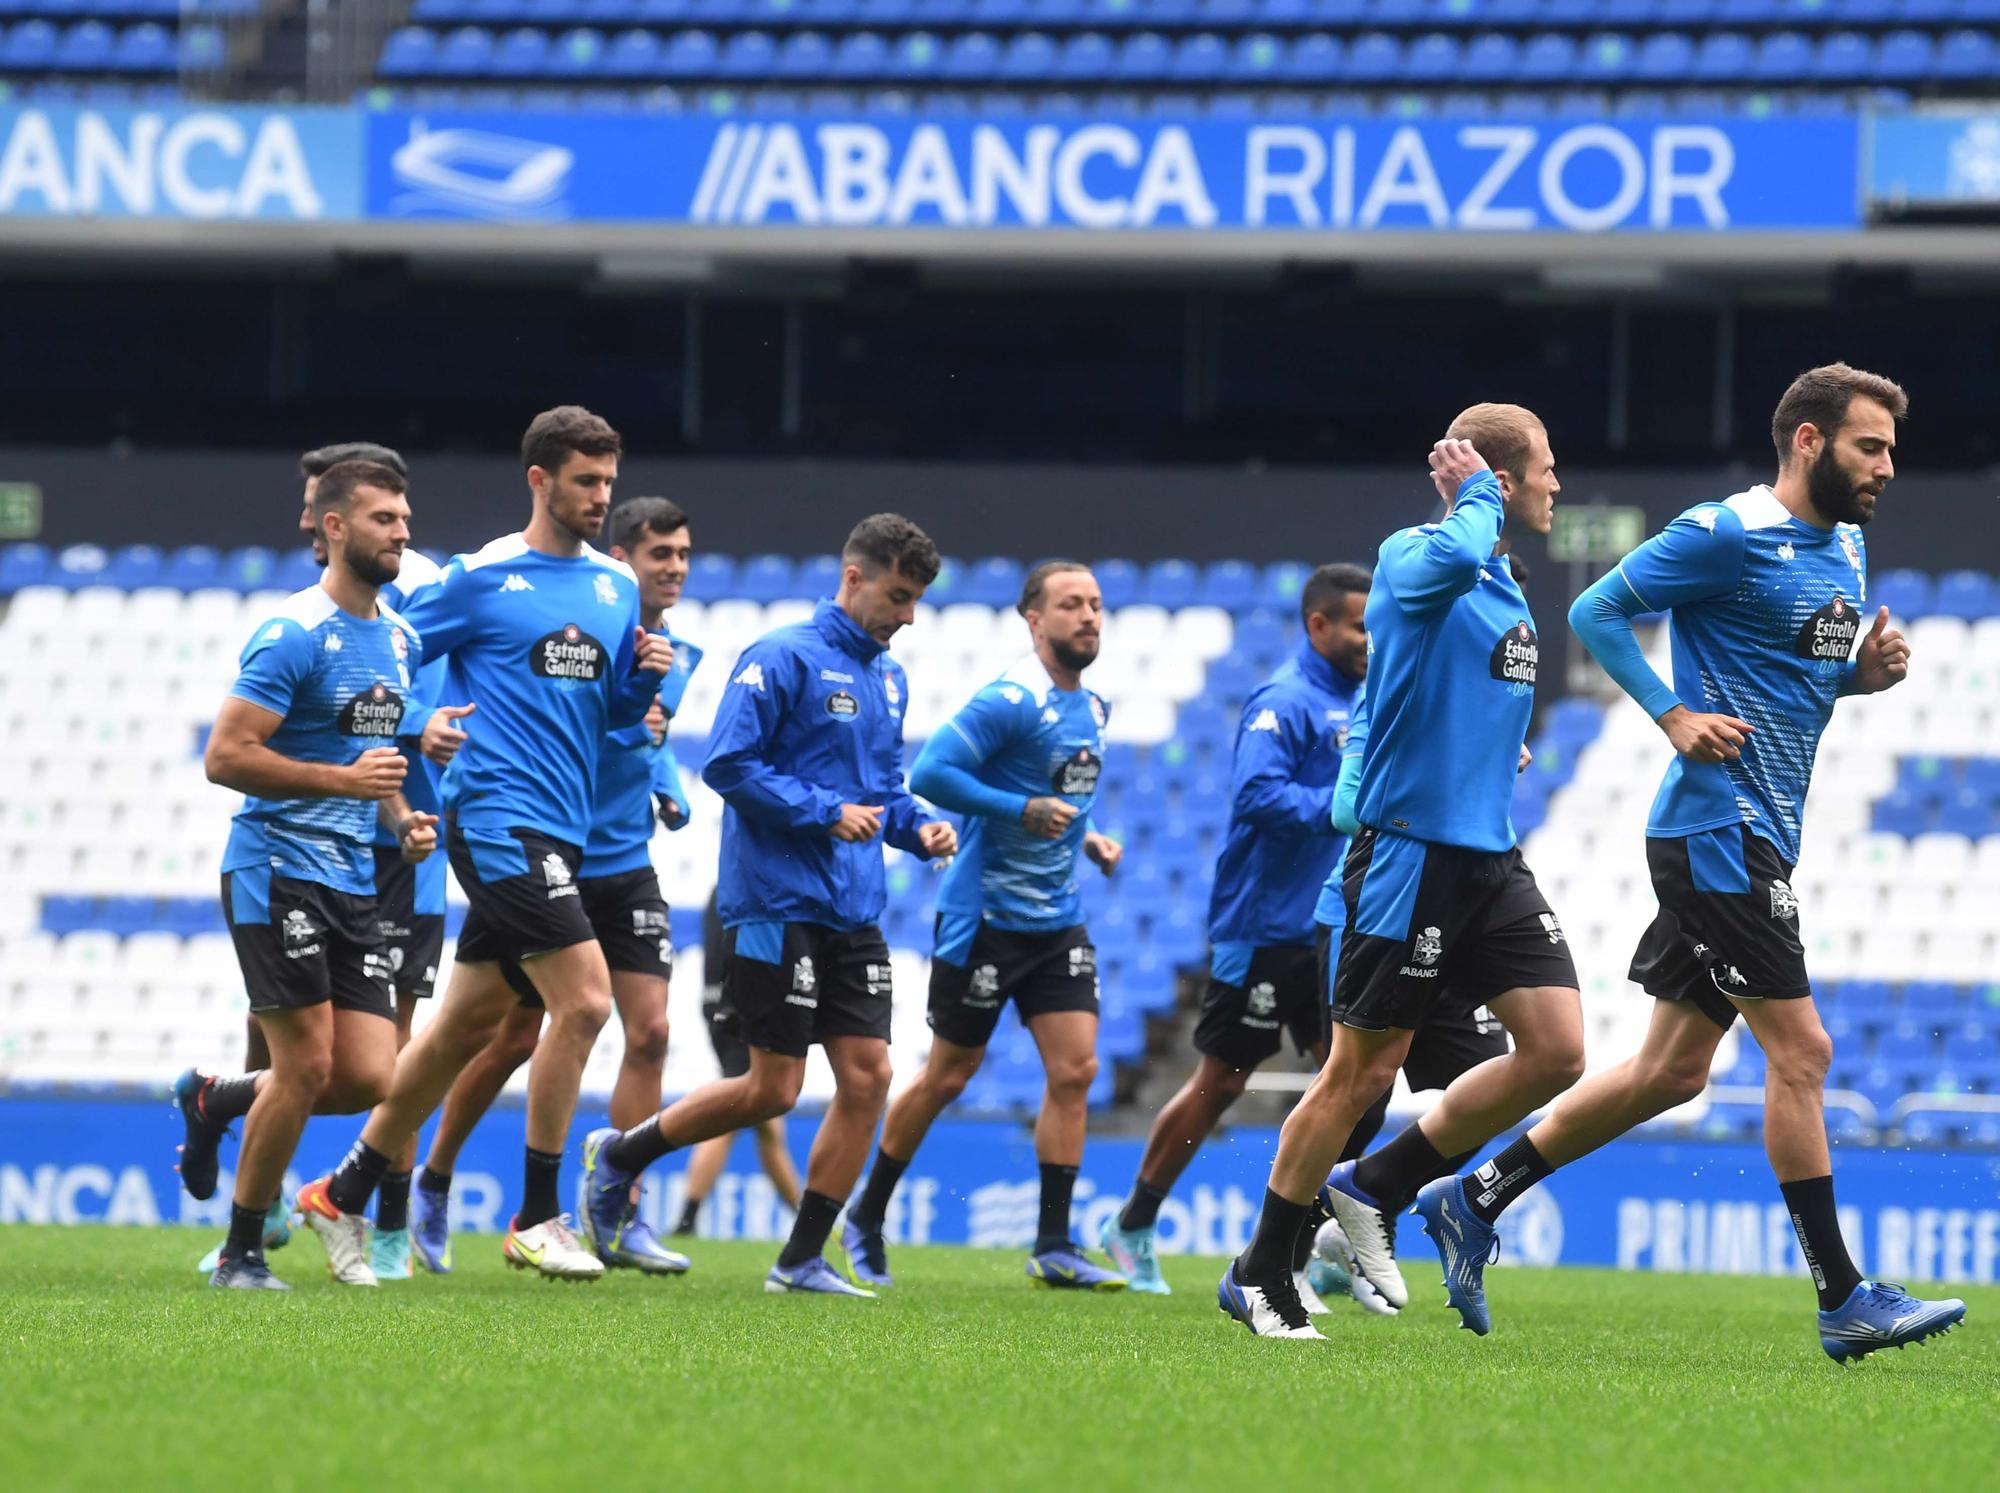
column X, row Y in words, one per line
column 813, row 1278
column 1370, row 1232
column 389, row 1254
column 1466, row 1244
column 640, row 1249
column 867, row 1255
column 552, row 1248
column 247, row 1274
column 277, row 1234
column 1308, row 1297
column 430, row 1229
column 1131, row 1251
column 1883, row 1316
column 1272, row 1310
column 604, row 1195
column 1068, row 1268
column 201, row 1137
column 345, row 1235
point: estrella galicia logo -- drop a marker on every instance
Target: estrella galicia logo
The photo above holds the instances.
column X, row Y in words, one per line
column 1828, row 635
column 1077, row 776
column 842, row 706
column 1517, row 655
column 376, row 711
column 570, row 653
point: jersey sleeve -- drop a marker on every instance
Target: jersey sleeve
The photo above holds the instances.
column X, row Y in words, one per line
column 1272, row 743
column 276, row 662
column 667, row 784
column 760, row 694
column 445, row 612
column 1347, row 791
column 947, row 769
column 633, row 689
column 673, row 688
column 1427, row 570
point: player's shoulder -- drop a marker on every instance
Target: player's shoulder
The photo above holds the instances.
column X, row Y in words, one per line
column 1023, row 684
column 610, row 562
column 416, row 571
column 303, row 611
column 1753, row 509
column 494, row 553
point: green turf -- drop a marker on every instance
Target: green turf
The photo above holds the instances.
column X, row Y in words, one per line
column 119, row 1368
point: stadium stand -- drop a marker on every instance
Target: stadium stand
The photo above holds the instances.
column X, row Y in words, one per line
column 114, row 967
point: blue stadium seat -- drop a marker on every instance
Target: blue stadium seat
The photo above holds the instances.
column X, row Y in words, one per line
column 972, row 58
column 1687, row 14
column 1568, row 13
column 1433, row 58
column 915, row 57
column 1088, row 57
column 1143, row 57
column 1902, row 813
column 694, row 54
column 133, row 566
column 748, row 54
column 765, row 578
column 1119, row 580
column 1982, row 773
column 1058, row 15
column 1624, row 15
column 466, row 52
column 1231, row 584
column 1965, row 54
column 995, row 582
column 817, row 577
column 1547, row 58
column 1724, row 57
column 1844, row 57
column 1970, row 594
column 62, row 915
column 1934, row 1001
column 22, row 565
column 1783, row 57
column 1030, row 57
column 78, row 565
column 1372, row 57
column 881, row 15
column 145, row 48
column 1491, row 58
column 1905, row 56
column 1171, row 584
column 1969, row 812
column 1201, row 58
column 1606, row 57
column 1746, row 12
column 1396, row 14
column 84, row 48
column 1927, row 777
column 606, row 15
column 634, row 54
column 408, row 52
column 1282, row 584
column 1227, row 15
column 1906, row 593
column 1313, row 59
column 1667, row 57
column 30, row 47
column 521, row 53
column 712, row 576
column 1258, row 58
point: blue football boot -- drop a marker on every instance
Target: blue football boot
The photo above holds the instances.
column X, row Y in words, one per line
column 604, row 1195
column 202, row 1137
column 247, row 1274
column 389, row 1254
column 867, row 1254
column 1883, row 1316
column 1067, row 1268
column 1466, row 1243
column 430, row 1229
column 1131, row 1251
column 1268, row 1311
column 639, row 1248
column 814, row 1278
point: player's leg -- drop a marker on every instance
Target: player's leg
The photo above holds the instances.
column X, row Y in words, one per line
column 732, row 1056
column 775, row 1157
column 705, row 1163
column 389, row 1249
column 479, row 1083
column 301, row 1066
column 256, row 1051
column 641, row 1002
column 861, row 1075
column 1067, row 1041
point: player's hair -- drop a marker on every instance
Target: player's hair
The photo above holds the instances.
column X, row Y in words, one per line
column 339, row 482
column 1330, row 585
column 888, row 541
column 1501, row 433
column 636, row 516
column 554, row 435
column 1037, row 583
column 1819, row 397
column 315, row 462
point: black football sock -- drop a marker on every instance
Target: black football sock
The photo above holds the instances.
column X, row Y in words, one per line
column 1498, row 1182
column 246, row 1232
column 224, row 1099
column 1818, row 1225
column 1366, row 1128
column 434, row 1182
column 352, row 1182
column 1052, row 1227
column 1393, row 1174
column 538, row 1189
column 638, row 1148
column 881, row 1186
column 1142, row 1208
column 392, row 1203
column 1270, row 1253
column 690, row 1210
column 817, row 1212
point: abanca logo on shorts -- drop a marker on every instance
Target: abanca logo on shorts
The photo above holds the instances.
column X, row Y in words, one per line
column 555, row 872
column 1425, row 951
column 805, row 980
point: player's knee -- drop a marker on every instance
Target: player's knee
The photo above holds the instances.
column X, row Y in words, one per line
column 1226, row 1085
column 867, row 1080
column 1071, row 1076
column 584, row 1014
column 1560, row 1062
column 770, row 1093
column 646, row 1040
column 1677, row 1080
column 949, row 1081
column 518, row 1041
column 1802, row 1058
column 308, row 1074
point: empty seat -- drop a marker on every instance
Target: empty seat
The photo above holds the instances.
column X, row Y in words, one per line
column 1547, row 59
column 1372, row 57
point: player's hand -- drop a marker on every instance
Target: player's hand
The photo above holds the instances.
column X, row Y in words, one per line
column 376, row 773
column 656, row 721
column 938, row 838
column 652, row 651
column 1884, row 659
column 857, row 824
column 673, row 813
column 1048, row 818
column 442, row 737
column 1105, row 853
column 419, row 837
column 1451, row 463
column 1705, row 738
column 1526, row 757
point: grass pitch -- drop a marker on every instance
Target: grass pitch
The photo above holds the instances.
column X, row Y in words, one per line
column 119, row 1368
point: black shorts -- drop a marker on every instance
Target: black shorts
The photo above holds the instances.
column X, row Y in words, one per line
column 1728, row 924
column 1421, row 917
column 415, row 940
column 1458, row 1033
column 523, row 890
column 794, row 984
column 301, row 944
column 1256, row 995
column 725, row 1035
column 631, row 921
column 977, row 968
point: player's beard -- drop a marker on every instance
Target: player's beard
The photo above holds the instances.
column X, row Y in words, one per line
column 1833, row 492
column 372, row 570
column 1071, row 657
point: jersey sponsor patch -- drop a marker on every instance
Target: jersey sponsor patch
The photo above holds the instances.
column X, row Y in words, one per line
column 376, row 711
column 842, row 706
column 1517, row 656
column 570, row 653
column 1829, row 633
column 1077, row 776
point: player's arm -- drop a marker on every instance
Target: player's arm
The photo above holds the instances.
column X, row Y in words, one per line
column 1272, row 744
column 1883, row 661
column 445, row 613
column 1347, row 791
column 277, row 663
column 415, row 832
column 669, row 796
column 1428, row 571
column 641, row 665
column 760, row 695
column 1695, row 558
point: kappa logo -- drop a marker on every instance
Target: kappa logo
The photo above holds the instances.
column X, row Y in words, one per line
column 805, row 979
column 333, row 643
column 607, row 591
column 1051, row 716
column 834, row 676
column 984, row 986
column 752, row 677
column 1853, row 552
column 1012, row 695
column 1786, row 552
column 1784, row 901
column 274, row 632
column 1551, row 927
column 516, row 583
column 1266, row 720
column 879, row 977
column 1706, row 518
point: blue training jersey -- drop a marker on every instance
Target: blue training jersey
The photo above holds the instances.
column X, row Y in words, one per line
column 1020, row 738
column 1281, row 842
column 339, row 683
column 423, row 787
column 543, row 645
column 1452, row 663
column 630, row 771
column 1765, row 610
column 1331, row 909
